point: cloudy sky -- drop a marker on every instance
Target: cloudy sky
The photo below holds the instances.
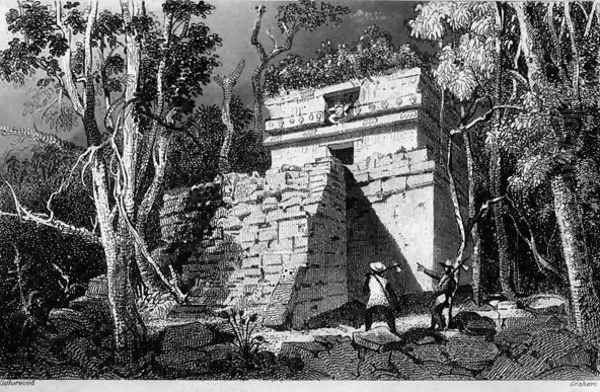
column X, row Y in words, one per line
column 232, row 20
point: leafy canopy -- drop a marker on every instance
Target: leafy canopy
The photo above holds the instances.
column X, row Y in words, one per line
column 373, row 53
column 40, row 43
column 466, row 34
column 196, row 151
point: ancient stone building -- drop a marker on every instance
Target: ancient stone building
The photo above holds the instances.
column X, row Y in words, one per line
column 357, row 175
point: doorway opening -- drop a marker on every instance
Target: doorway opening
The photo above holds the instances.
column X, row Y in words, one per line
column 344, row 152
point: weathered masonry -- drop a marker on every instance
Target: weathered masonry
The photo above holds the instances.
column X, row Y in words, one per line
column 357, row 175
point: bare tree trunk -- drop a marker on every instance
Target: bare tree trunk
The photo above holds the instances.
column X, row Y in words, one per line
column 495, row 172
column 498, row 214
column 474, row 233
column 128, row 331
column 584, row 297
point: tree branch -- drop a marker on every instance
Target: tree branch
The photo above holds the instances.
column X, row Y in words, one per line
column 485, row 117
column 574, row 49
column 41, row 137
column 588, row 25
column 482, row 211
column 68, row 82
column 272, row 38
column 262, row 54
column 540, row 261
column 42, row 219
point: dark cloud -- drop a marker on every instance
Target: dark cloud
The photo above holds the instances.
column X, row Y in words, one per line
column 233, row 21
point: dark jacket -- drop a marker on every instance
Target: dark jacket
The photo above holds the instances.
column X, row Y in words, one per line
column 446, row 284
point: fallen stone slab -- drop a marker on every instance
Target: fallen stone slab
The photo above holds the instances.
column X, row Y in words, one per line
column 506, row 305
column 471, row 352
column 378, row 339
column 69, row 322
column 545, row 304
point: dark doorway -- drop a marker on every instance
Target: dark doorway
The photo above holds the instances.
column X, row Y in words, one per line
column 345, row 153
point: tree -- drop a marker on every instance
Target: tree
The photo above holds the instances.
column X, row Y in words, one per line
column 550, row 129
column 291, row 18
column 148, row 76
column 556, row 130
column 469, row 68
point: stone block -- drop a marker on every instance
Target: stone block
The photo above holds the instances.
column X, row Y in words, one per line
column 273, row 269
column 251, row 262
column 372, row 187
column 292, row 193
column 394, row 185
column 300, row 242
column 241, row 210
column 248, row 234
column 257, row 217
column 275, row 215
column 271, row 259
column 269, row 204
column 267, row 234
column 257, row 249
column 291, row 228
column 298, row 259
column 414, row 181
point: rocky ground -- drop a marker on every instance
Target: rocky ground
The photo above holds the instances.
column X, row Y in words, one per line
column 524, row 344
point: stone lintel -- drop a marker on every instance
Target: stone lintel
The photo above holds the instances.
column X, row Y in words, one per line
column 342, row 129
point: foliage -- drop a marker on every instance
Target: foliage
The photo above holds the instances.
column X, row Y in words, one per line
column 40, row 43
column 308, row 15
column 147, row 75
column 243, row 325
column 291, row 18
column 554, row 132
column 53, row 271
column 466, row 34
column 373, row 53
column 194, row 158
column 47, row 175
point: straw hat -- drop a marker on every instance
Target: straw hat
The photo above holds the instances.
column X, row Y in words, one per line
column 377, row 266
column 448, row 263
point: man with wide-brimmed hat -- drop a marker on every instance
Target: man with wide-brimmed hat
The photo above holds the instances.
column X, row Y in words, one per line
column 443, row 292
column 382, row 298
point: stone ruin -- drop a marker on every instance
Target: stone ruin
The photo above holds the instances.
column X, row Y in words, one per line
column 358, row 175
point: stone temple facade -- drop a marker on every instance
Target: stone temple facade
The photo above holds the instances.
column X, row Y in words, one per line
column 357, row 175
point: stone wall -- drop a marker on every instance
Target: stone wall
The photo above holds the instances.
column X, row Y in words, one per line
column 276, row 246
column 391, row 214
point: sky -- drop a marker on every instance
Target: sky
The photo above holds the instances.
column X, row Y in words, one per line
column 233, row 21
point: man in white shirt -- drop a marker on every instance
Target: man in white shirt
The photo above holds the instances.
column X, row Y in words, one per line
column 382, row 298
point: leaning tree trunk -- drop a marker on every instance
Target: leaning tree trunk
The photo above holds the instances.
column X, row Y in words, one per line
column 474, row 233
column 584, row 297
column 227, row 83
column 257, row 90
